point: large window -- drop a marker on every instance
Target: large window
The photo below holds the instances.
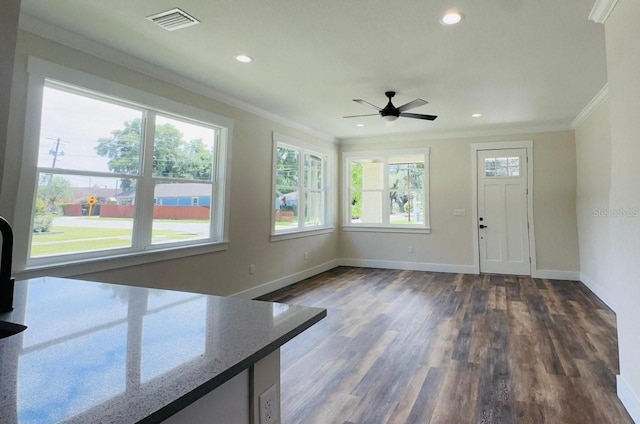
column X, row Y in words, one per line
column 114, row 175
column 300, row 187
column 387, row 190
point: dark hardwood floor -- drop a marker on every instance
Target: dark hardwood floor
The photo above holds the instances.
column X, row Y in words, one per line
column 422, row 347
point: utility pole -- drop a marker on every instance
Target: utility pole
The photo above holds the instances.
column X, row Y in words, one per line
column 55, row 152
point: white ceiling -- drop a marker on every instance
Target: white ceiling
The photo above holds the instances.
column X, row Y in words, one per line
column 521, row 63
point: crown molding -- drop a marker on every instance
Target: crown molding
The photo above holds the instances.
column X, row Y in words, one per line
column 75, row 41
column 474, row 133
column 591, row 107
column 602, row 10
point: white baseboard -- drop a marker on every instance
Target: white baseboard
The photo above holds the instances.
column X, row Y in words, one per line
column 553, row 274
column 374, row 263
column 285, row 281
column 629, row 399
column 598, row 290
column 412, row 266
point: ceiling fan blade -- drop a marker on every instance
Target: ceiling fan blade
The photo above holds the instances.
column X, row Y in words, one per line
column 418, row 116
column 363, row 102
column 358, row 116
column 413, row 104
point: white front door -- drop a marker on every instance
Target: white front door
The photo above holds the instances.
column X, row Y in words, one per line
column 503, row 229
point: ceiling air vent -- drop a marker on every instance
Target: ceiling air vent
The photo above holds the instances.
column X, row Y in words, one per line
column 173, row 19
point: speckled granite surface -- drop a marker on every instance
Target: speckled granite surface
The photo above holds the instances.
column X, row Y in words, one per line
column 106, row 353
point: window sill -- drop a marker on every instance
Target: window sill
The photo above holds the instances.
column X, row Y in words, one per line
column 376, row 229
column 85, row 266
column 301, row 233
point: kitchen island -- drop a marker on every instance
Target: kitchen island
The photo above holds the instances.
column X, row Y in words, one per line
column 106, row 353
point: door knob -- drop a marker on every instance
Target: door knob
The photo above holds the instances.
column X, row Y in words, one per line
column 483, row 226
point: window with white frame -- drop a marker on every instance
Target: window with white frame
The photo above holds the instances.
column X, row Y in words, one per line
column 300, row 186
column 387, row 190
column 114, row 175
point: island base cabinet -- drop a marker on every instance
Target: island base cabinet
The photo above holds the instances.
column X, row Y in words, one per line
column 237, row 400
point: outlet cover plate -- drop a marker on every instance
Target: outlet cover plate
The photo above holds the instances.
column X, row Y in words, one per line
column 269, row 406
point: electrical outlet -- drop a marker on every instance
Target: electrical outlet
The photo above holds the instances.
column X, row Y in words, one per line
column 410, row 249
column 252, row 269
column 306, row 255
column 269, row 407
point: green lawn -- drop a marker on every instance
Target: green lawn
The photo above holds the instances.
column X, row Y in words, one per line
column 186, row 221
column 286, row 224
column 78, row 246
column 74, row 233
column 84, row 239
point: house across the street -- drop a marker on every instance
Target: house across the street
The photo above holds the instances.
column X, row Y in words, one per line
column 177, row 194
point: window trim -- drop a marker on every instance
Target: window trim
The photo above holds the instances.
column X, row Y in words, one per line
column 305, row 148
column 347, row 225
column 39, row 71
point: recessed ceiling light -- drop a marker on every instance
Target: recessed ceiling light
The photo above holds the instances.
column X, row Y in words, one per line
column 243, row 58
column 476, row 115
column 359, row 125
column 451, row 18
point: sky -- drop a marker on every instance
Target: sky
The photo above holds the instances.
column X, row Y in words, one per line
column 79, row 122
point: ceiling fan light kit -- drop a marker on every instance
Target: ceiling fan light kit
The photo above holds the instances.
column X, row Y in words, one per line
column 391, row 113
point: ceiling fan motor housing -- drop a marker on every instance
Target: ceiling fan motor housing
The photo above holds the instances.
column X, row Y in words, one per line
column 390, row 112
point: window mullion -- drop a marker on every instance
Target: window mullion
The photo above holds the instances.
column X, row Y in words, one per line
column 385, row 192
column 302, row 190
column 323, row 191
column 348, row 218
column 214, row 229
column 143, row 222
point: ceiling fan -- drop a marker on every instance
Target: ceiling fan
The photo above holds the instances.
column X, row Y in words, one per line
column 391, row 113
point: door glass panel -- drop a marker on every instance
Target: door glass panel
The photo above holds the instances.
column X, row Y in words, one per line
column 490, row 167
column 514, row 167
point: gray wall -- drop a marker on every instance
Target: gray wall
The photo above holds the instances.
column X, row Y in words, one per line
column 593, row 152
column 451, row 239
column 8, row 33
column 623, row 64
column 251, row 169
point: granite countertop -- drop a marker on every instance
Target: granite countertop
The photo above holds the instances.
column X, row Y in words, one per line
column 96, row 352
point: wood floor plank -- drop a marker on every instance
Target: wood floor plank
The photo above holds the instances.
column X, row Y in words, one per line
column 421, row 347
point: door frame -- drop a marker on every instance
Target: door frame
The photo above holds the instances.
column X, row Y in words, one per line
column 499, row 145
